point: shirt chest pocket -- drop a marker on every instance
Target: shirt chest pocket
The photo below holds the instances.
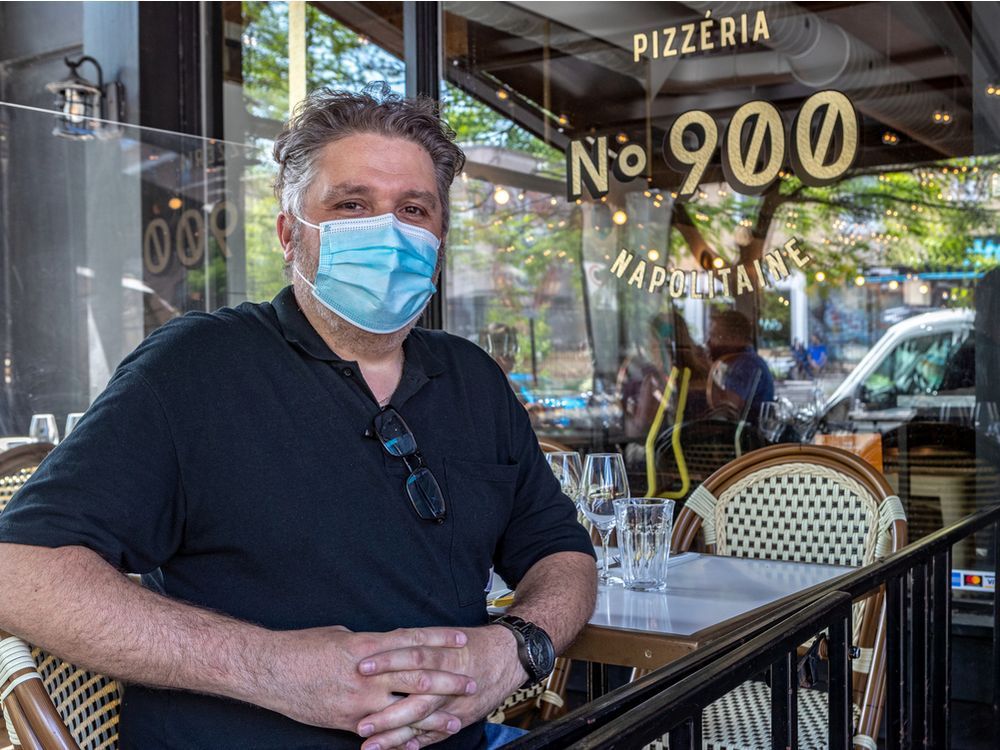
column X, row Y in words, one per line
column 480, row 501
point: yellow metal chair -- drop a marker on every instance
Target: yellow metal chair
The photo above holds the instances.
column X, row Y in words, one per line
column 675, row 437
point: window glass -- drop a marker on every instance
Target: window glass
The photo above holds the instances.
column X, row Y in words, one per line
column 108, row 231
column 791, row 209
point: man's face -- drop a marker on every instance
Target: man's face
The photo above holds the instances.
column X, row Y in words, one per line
column 358, row 176
column 370, row 175
column 722, row 341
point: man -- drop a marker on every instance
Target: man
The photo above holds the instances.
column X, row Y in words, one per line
column 741, row 379
column 317, row 491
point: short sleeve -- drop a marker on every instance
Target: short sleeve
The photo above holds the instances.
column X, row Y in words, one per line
column 544, row 520
column 113, row 485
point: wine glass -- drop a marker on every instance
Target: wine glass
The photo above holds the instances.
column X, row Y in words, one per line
column 43, row 428
column 71, row 421
column 604, row 481
column 568, row 469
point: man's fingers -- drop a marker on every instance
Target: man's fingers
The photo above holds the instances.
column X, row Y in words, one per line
column 417, row 735
column 414, row 657
column 423, row 739
column 404, row 720
column 427, row 682
column 436, row 637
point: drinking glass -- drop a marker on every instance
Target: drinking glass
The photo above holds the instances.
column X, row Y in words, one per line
column 644, row 525
column 43, row 428
column 604, row 481
column 985, row 418
column 568, row 469
column 771, row 422
column 71, row 420
column 956, row 413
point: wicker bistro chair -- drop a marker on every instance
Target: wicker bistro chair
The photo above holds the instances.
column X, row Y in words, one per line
column 49, row 704
column 808, row 504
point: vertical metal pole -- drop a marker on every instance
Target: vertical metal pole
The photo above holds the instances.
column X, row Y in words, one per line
column 895, row 655
column 597, row 680
column 422, row 52
column 784, row 703
column 840, row 724
column 918, row 655
column 940, row 664
column 682, row 736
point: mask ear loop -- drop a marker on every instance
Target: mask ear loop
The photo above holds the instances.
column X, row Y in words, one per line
column 310, row 284
column 307, row 223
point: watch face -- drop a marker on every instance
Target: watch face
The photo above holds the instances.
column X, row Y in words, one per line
column 541, row 653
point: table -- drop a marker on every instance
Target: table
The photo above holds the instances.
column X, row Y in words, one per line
column 706, row 596
column 866, row 445
column 6, row 443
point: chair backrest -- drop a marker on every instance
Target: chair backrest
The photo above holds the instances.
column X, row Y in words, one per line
column 807, row 503
column 17, row 465
column 706, row 445
column 52, row 705
column 795, row 502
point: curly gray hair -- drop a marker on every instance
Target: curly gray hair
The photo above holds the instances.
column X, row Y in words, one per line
column 327, row 115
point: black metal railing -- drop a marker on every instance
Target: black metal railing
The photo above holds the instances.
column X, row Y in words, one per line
column 917, row 671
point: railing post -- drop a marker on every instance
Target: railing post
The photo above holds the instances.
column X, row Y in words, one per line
column 597, row 680
column 939, row 696
column 784, row 703
column 895, row 659
column 918, row 655
column 687, row 736
column 840, row 719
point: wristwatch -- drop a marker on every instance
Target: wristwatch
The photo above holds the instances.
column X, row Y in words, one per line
column 534, row 647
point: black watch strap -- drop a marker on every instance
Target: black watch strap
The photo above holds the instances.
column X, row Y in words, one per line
column 534, row 647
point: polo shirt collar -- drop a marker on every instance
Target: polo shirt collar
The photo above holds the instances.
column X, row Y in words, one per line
column 297, row 330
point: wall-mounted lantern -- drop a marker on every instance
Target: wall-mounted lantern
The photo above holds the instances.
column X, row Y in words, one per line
column 89, row 110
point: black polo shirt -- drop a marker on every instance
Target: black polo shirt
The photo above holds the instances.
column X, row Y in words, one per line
column 227, row 460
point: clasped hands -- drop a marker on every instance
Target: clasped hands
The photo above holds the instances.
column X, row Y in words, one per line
column 407, row 688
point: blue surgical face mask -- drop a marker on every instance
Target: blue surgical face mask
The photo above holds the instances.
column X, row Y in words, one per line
column 375, row 272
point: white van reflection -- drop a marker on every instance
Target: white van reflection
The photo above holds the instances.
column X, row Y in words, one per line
column 924, row 365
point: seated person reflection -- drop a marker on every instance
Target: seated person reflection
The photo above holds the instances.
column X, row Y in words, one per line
column 740, row 379
column 315, row 491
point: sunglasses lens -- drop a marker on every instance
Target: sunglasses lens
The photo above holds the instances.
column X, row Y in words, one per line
column 394, row 433
column 425, row 494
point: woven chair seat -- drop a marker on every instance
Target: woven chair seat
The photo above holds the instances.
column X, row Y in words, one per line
column 737, row 722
